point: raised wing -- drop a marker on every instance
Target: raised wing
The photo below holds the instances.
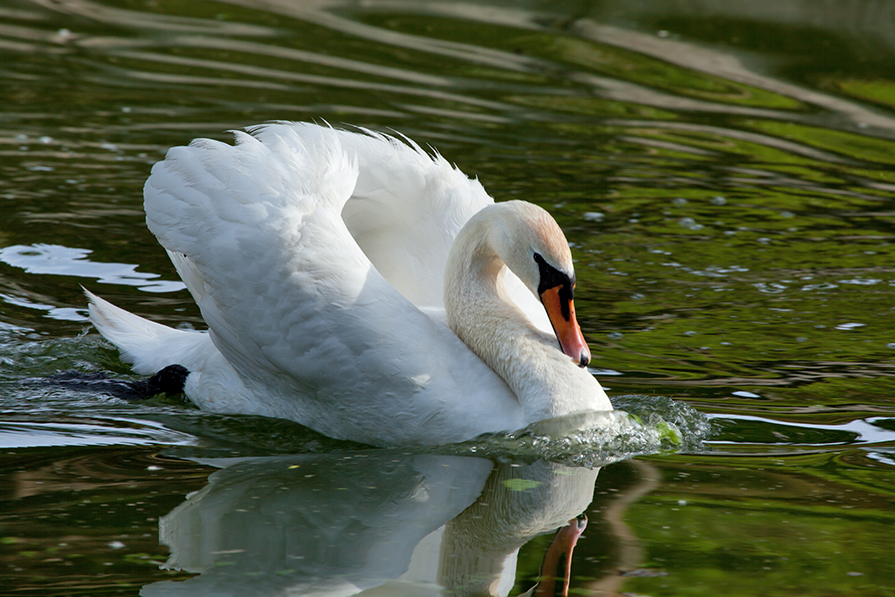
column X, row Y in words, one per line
column 292, row 301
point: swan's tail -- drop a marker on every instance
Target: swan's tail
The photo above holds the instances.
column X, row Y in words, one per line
column 148, row 345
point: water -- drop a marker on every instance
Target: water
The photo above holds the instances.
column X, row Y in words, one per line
column 724, row 173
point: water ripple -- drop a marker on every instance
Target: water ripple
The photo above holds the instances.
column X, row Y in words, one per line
column 58, row 260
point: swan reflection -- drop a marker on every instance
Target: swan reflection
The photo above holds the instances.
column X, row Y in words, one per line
column 370, row 523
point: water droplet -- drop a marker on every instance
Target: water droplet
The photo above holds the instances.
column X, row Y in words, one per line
column 745, row 394
column 770, row 288
column 823, row 286
column 604, row 372
column 860, row 281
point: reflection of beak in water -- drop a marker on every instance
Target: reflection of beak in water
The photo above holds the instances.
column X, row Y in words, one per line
column 556, row 571
column 479, row 547
column 370, row 523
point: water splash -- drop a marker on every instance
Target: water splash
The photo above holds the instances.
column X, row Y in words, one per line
column 647, row 425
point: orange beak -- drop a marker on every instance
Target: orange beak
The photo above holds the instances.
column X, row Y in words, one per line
column 561, row 311
column 557, row 566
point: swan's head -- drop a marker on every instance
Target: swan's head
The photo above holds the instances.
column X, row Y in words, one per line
column 533, row 246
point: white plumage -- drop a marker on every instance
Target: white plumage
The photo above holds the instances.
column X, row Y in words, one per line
column 317, row 258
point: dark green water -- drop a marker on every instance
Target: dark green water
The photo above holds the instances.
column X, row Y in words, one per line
column 724, row 172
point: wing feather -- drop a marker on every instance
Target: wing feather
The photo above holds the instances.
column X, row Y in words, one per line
column 291, row 299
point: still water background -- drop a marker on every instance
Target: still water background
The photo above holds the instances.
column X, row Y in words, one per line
column 723, row 170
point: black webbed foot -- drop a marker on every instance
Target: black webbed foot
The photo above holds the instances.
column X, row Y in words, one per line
column 168, row 381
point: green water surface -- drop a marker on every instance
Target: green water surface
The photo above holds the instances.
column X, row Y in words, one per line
column 723, row 171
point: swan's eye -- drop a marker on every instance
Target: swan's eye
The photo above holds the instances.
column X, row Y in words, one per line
column 550, row 277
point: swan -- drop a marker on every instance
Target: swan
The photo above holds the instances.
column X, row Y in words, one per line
column 358, row 285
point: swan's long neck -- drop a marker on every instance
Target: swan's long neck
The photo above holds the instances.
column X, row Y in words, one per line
column 480, row 312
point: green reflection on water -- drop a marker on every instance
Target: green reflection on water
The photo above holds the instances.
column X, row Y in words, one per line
column 645, row 70
column 769, row 526
column 84, row 520
column 853, row 145
column 877, row 91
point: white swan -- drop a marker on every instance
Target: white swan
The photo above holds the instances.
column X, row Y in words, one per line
column 340, row 274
